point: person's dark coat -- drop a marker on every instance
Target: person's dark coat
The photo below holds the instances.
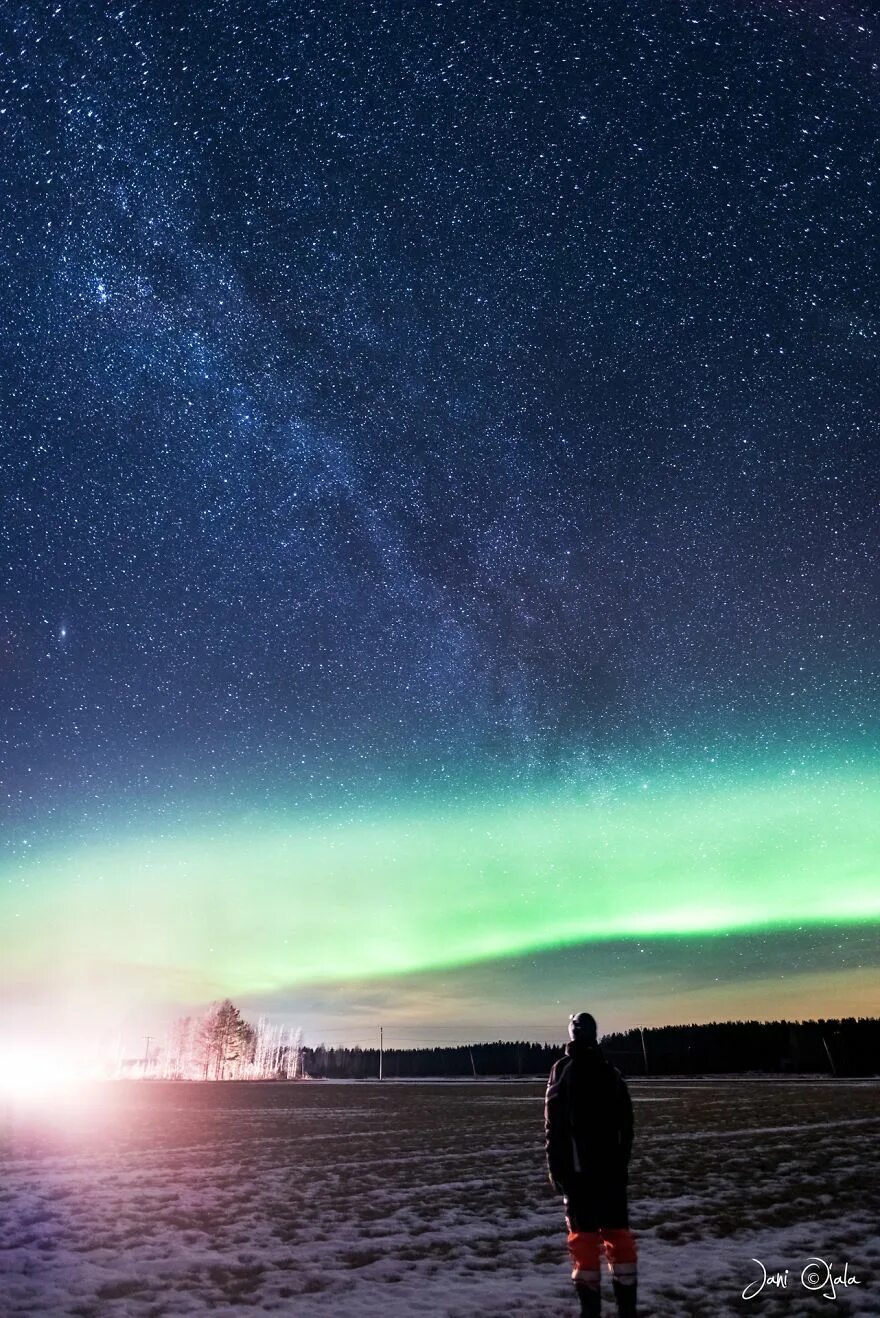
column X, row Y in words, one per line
column 588, row 1120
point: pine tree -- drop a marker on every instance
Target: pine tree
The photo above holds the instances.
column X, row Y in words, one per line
column 225, row 1038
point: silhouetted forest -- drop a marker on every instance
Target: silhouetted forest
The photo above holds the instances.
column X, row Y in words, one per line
column 850, row 1046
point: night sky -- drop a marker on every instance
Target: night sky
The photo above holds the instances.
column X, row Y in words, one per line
column 439, row 510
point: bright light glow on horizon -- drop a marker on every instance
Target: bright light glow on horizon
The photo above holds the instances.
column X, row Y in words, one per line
column 35, row 1076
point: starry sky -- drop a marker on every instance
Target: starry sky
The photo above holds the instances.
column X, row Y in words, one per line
column 439, row 498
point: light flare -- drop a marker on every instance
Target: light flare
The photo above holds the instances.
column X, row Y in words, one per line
column 39, row 1076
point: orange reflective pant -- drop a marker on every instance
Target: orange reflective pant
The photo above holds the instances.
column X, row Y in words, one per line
column 619, row 1245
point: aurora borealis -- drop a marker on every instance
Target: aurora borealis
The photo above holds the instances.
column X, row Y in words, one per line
column 439, row 512
column 438, row 889
column 274, row 903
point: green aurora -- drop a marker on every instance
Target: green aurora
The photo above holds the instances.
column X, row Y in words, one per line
column 271, row 901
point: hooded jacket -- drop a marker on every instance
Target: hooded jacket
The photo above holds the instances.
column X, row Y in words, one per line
column 588, row 1118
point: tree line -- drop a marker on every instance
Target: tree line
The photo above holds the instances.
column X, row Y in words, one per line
column 223, row 1045
column 848, row 1046
column 841, row 1046
column 477, row 1059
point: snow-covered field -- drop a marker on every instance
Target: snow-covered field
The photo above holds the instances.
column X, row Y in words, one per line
column 154, row 1200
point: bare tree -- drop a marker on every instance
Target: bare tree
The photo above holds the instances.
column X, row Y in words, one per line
column 181, row 1044
column 294, row 1056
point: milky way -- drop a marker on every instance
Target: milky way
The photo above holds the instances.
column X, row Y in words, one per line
column 456, row 403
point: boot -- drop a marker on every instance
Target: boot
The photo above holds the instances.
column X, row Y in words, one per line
column 591, row 1300
column 625, row 1295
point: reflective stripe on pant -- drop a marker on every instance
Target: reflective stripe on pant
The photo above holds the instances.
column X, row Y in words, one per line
column 620, row 1251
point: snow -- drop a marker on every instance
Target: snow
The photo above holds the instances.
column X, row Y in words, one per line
column 170, row 1200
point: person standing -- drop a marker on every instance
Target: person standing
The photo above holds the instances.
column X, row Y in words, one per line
column 588, row 1128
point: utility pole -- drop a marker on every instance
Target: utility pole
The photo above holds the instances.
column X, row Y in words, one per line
column 381, row 1049
column 644, row 1049
column 473, row 1063
column 149, row 1040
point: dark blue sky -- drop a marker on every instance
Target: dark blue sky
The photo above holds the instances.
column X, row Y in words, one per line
column 393, row 393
